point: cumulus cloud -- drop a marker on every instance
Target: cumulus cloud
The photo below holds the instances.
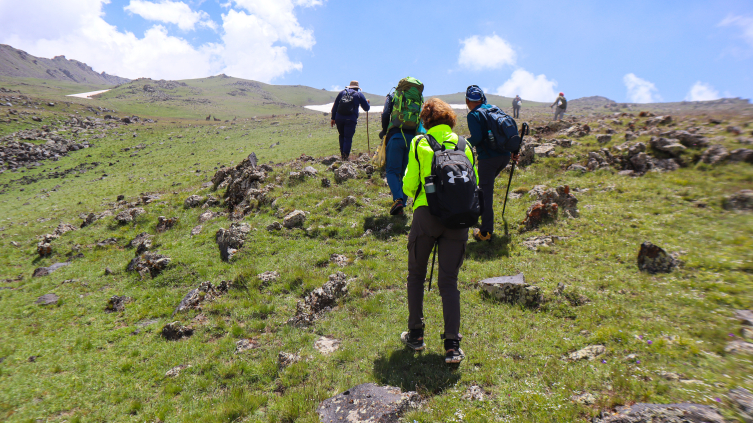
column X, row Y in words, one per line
column 335, row 88
column 254, row 38
column 702, row 92
column 174, row 12
column 744, row 23
column 529, row 86
column 639, row 90
column 490, row 52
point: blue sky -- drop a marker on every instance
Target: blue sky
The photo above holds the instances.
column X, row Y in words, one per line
column 637, row 51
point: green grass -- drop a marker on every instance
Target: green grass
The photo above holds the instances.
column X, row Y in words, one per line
column 98, row 366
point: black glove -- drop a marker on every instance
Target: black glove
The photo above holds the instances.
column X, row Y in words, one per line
column 381, row 134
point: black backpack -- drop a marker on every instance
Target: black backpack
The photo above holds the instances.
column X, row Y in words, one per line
column 451, row 188
column 505, row 137
column 347, row 103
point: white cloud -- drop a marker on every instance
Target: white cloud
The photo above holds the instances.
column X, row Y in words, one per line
column 529, row 86
column 745, row 23
column 639, row 90
column 702, row 92
column 252, row 45
column 174, row 12
column 490, row 52
column 336, row 88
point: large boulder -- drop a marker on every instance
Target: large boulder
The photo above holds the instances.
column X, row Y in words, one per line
column 175, row 331
column 691, row 140
column 741, row 200
column 741, row 155
column 714, row 154
column 743, row 400
column 231, row 240
column 127, row 216
column 345, row 172
column 512, row 289
column 193, row 201
column 654, row 259
column 664, row 413
column 320, row 300
column 368, row 403
column 149, row 264
column 667, row 145
column 294, row 219
column 142, row 242
column 44, row 271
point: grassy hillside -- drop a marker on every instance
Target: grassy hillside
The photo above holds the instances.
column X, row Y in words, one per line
column 74, row 361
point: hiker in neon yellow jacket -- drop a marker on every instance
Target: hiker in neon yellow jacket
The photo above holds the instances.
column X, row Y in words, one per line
column 426, row 230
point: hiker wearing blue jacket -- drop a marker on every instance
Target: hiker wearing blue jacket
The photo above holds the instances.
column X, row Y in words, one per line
column 345, row 115
column 490, row 163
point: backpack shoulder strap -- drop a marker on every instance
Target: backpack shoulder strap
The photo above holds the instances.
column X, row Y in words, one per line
column 460, row 146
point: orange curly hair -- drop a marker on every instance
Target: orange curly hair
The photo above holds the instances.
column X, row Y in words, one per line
column 437, row 112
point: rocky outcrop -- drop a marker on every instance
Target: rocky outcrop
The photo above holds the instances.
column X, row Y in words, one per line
column 193, row 201
column 294, row 219
column 320, row 300
column 244, row 192
column 588, row 353
column 165, row 224
column 654, row 259
column 117, row 303
column 512, row 289
column 44, row 271
column 175, row 331
column 142, row 242
column 127, row 216
column 344, row 172
column 664, row 413
column 743, row 401
column 206, row 291
column 742, row 200
column 368, row 403
column 549, row 205
column 714, row 155
column 229, row 241
column 148, row 264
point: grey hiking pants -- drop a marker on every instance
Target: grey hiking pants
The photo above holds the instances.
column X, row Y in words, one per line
column 425, row 230
column 558, row 112
column 488, row 170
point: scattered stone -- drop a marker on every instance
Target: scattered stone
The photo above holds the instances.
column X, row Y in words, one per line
column 691, row 140
column 564, row 143
column 193, row 201
column 320, row 300
column 741, row 155
column 211, row 201
column 268, row 277
column 475, row 393
column 603, row 138
column 345, row 172
column 630, row 136
column 550, row 202
column 243, row 345
column 745, row 317
column 734, row 130
column 175, row 331
column 667, row 145
column 274, row 226
column 204, row 292
column 368, row 403
column 739, row 347
column 206, row 216
column 142, row 242
column 544, row 151
column 127, row 216
column 742, row 200
column 512, row 289
column 714, row 154
column 663, row 413
column 106, row 242
column 654, row 259
column 108, row 271
column 586, row 398
column 294, row 219
column 148, row 263
column 117, row 303
column 535, row 242
column 527, row 154
column 175, row 371
column 743, row 400
column 231, row 240
column 327, row 345
column 347, row 201
column 588, row 353
column 44, row 271
column 165, row 224
column 196, row 230
column 286, row 359
column 577, row 168
column 339, row 260
column 47, row 299
column 326, row 183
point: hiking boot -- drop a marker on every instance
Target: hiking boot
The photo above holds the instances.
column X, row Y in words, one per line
column 397, row 207
column 414, row 339
column 481, row 236
column 454, row 354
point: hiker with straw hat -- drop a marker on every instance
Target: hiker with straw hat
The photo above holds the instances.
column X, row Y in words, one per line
column 345, row 115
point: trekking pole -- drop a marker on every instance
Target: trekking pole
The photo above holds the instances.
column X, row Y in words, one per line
column 523, row 132
column 431, row 275
column 368, row 143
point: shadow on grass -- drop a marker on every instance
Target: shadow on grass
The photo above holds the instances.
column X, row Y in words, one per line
column 425, row 373
column 499, row 246
column 384, row 227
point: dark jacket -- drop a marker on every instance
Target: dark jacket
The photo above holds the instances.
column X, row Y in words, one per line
column 515, row 103
column 358, row 98
column 479, row 133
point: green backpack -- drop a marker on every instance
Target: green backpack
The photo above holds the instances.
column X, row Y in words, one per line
column 406, row 104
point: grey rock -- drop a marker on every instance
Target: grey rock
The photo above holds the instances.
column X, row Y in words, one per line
column 204, row 292
column 243, row 345
column 326, row 183
column 512, row 289
column 368, row 403
column 268, row 277
column 654, row 259
column 44, row 271
column 739, row 347
column 561, row 142
column 745, row 317
column 294, row 219
column 588, row 353
column 742, row 200
column 714, row 155
column 47, row 299
column 196, row 230
column 274, row 226
column 320, row 300
column 347, row 201
column 603, row 138
column 193, row 201
column 586, row 398
column 327, row 345
column 630, row 136
column 127, row 216
column 206, row 216
column 664, row 413
column 142, row 242
column 117, row 303
column 741, row 155
column 475, row 393
column 164, row 224
column 667, row 145
column 148, row 264
column 285, row 359
column 577, row 168
column 339, row 260
column 310, row 171
column 743, row 401
column 544, row 151
column 345, row 172
column 535, row 242
column 229, row 241
column 175, row 331
column 175, row 371
column 527, row 154
column 691, row 140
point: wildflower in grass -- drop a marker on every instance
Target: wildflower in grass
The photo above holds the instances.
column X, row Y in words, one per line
column 650, row 342
column 732, row 335
column 717, row 399
column 603, row 361
column 640, row 337
column 637, row 362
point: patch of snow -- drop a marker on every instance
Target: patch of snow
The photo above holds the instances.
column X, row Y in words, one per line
column 87, row 95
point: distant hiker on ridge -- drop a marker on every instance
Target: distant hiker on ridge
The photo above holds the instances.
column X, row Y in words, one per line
column 490, row 161
column 560, row 105
column 345, row 115
column 400, row 123
column 516, row 103
column 428, row 229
